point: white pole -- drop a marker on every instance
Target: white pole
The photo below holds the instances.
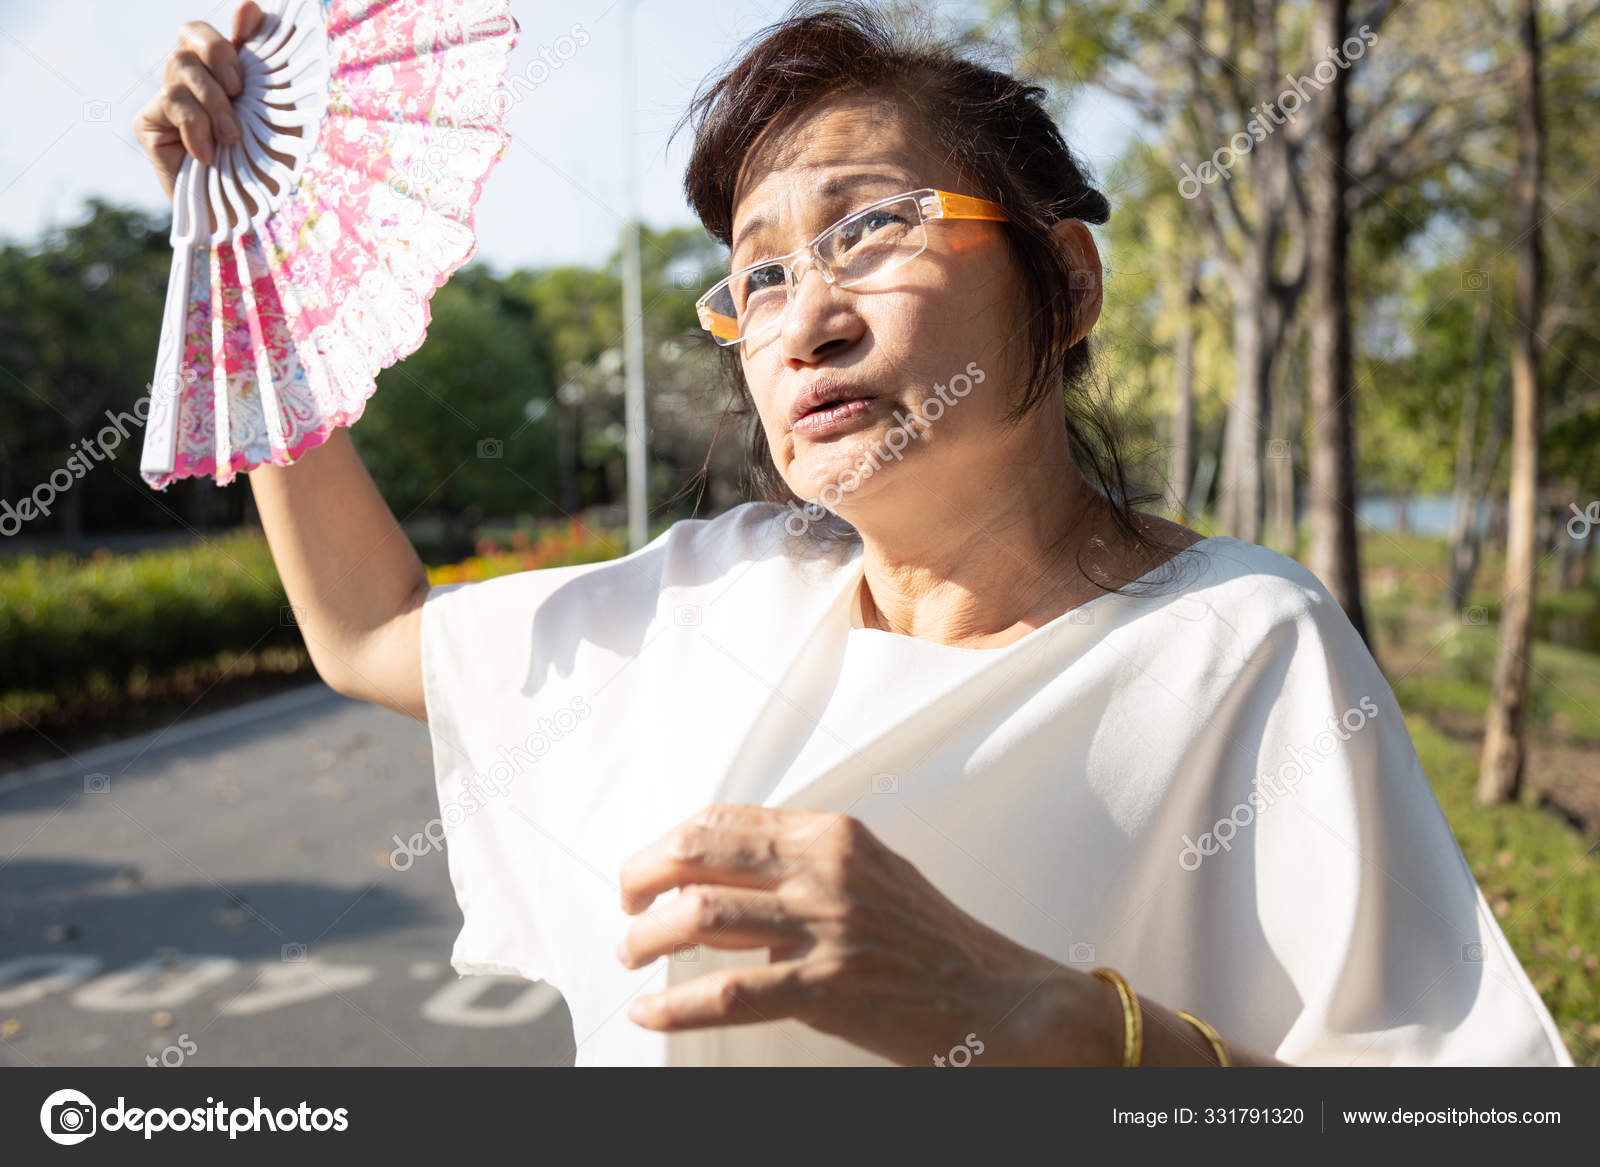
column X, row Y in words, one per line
column 632, row 311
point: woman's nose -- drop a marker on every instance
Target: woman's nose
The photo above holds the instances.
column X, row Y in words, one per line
column 817, row 316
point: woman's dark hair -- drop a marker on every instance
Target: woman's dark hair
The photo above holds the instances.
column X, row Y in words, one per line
column 995, row 129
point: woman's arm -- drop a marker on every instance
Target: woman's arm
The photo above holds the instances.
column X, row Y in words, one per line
column 352, row 576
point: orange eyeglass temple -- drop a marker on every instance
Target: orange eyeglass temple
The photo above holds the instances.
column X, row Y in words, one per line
column 959, row 206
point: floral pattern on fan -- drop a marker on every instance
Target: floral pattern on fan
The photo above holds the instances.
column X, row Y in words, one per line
column 292, row 307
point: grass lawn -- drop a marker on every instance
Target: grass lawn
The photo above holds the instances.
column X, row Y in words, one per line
column 1537, row 861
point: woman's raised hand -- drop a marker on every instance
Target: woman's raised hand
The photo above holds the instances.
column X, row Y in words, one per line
column 192, row 112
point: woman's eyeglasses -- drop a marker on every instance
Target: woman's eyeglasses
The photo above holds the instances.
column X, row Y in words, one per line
column 866, row 243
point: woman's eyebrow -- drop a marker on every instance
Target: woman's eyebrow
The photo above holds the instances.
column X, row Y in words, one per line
column 831, row 189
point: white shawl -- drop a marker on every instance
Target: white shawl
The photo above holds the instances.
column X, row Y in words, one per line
column 1209, row 788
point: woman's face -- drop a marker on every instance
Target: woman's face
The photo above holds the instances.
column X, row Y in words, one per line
column 953, row 319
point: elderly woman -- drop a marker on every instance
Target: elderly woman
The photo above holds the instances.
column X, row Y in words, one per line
column 941, row 753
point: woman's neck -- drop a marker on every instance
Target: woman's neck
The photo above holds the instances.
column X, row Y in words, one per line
column 985, row 573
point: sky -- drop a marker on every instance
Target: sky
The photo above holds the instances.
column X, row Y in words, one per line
column 74, row 72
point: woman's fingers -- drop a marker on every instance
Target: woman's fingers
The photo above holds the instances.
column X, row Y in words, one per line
column 199, row 42
column 719, row 917
column 193, row 110
column 749, row 846
column 692, row 854
column 247, row 20
column 734, row 997
column 162, row 143
column 181, row 110
column 186, row 69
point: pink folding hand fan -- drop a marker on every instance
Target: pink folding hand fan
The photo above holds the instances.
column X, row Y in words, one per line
column 304, row 257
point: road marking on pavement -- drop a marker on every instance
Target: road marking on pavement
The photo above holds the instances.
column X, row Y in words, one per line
column 170, row 984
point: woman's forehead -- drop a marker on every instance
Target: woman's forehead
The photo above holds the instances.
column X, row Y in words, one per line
column 842, row 143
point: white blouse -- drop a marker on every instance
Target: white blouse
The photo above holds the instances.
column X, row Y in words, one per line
column 1204, row 783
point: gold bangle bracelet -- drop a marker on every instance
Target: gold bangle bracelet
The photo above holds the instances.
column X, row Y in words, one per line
column 1210, row 1035
column 1132, row 1021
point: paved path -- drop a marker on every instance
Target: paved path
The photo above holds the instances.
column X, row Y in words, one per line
column 221, row 894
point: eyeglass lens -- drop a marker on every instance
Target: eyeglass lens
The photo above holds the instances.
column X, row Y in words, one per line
column 860, row 247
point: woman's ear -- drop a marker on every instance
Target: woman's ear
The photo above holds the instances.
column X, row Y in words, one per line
column 1084, row 259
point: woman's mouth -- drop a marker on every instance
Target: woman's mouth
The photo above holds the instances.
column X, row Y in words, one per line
column 835, row 415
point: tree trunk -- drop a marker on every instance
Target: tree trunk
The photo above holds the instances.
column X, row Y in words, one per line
column 1505, row 743
column 567, row 455
column 198, row 506
column 1257, row 315
column 1464, row 519
column 1205, row 474
column 1239, row 494
column 1465, row 559
column 1281, row 447
column 69, row 516
column 1570, row 572
column 67, row 509
column 1335, row 552
column 1182, row 468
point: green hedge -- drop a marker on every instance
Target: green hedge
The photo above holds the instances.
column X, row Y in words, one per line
column 73, row 622
column 69, row 623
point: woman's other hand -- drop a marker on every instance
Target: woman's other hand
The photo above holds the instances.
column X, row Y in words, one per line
column 861, row 946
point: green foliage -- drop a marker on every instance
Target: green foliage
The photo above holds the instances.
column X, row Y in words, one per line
column 1535, row 874
column 1571, row 618
column 71, row 625
column 80, row 315
column 448, row 427
column 74, row 622
column 465, row 426
column 1142, row 313
column 558, row 548
column 1532, row 865
column 580, row 309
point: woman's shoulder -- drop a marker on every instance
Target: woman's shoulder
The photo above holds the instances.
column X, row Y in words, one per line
column 690, row 554
column 747, row 528
column 724, row 576
column 1237, row 564
column 1256, row 590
